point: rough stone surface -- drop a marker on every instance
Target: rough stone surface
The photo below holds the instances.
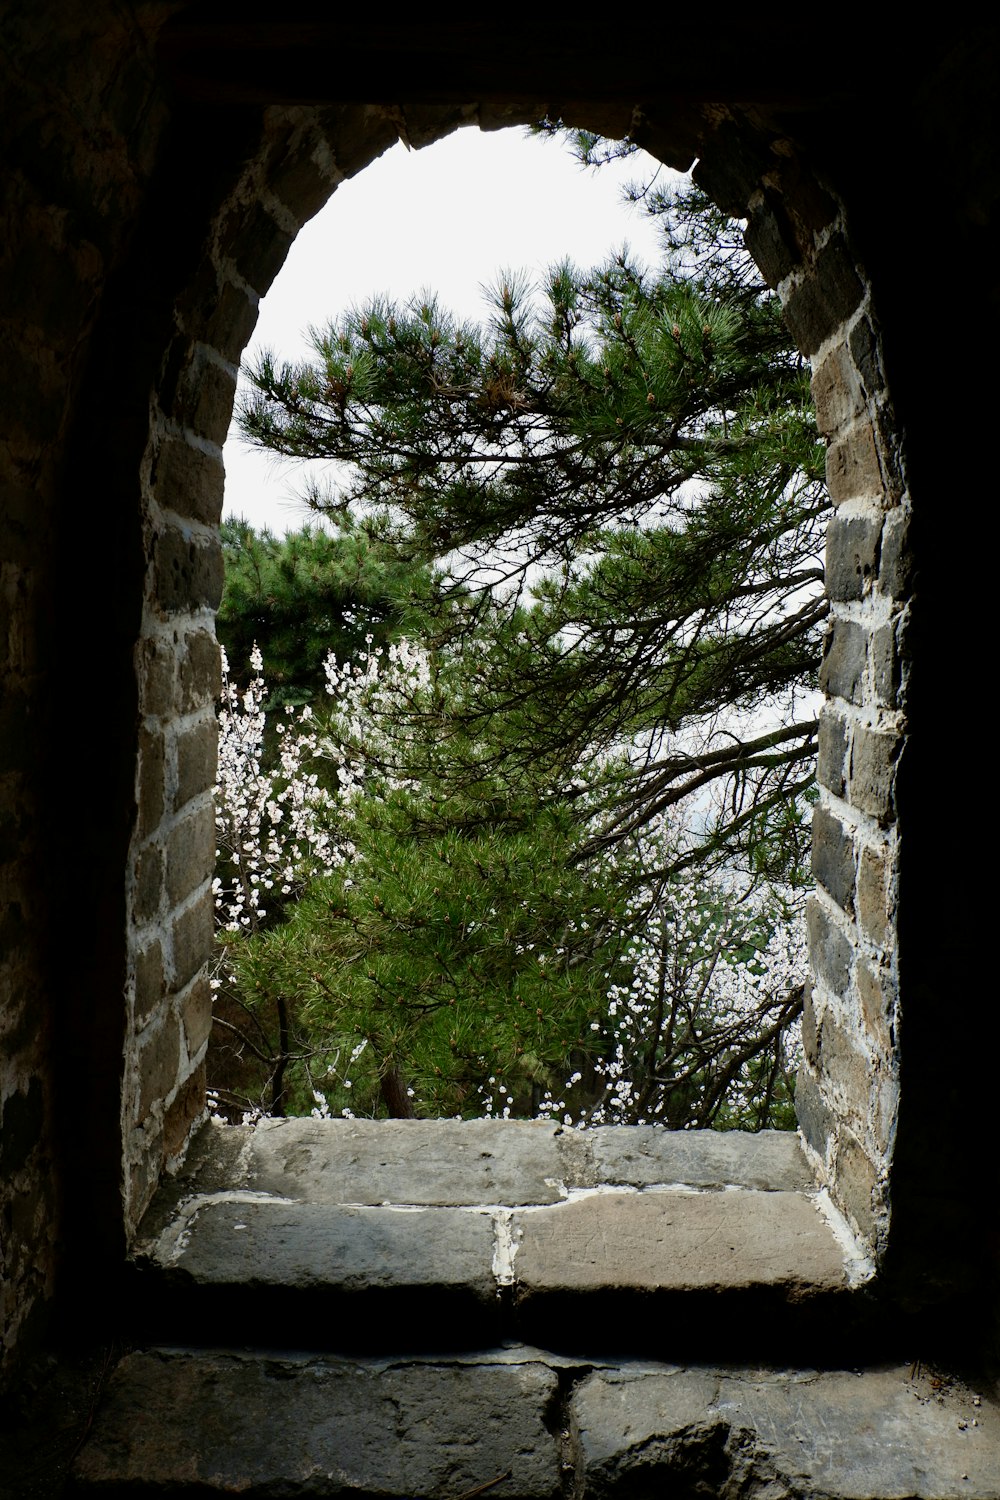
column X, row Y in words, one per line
column 842, row 671
column 406, row 1161
column 268, row 1243
column 853, row 470
column 830, row 951
column 642, row 1154
column 873, row 767
column 833, row 858
column 473, row 1162
column 867, row 1435
column 263, row 1223
column 532, row 1425
column 851, row 555
column 677, row 1239
column 281, row 1426
column 831, row 752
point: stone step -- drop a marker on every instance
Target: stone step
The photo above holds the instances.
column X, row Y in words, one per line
column 458, row 1235
column 520, row 1424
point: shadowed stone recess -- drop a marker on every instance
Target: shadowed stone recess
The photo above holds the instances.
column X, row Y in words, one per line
column 533, row 1426
column 225, row 1424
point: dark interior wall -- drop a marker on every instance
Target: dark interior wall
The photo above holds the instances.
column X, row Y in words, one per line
column 82, row 127
column 160, row 158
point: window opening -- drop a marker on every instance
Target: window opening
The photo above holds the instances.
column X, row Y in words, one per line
column 419, row 917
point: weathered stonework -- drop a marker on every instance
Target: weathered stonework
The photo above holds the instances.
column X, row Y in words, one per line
column 157, row 170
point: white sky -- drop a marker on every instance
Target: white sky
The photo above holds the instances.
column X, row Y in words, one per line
column 446, row 218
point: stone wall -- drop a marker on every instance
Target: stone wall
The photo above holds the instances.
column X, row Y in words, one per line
column 848, row 1088
column 148, row 204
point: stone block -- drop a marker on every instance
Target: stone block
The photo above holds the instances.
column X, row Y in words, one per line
column 188, row 572
column 885, row 1109
column 877, row 993
column 199, row 671
column 886, row 673
column 770, row 239
column 812, row 1110
column 844, row 1063
column 356, row 134
column 151, row 785
column 255, row 244
column 148, row 883
column 408, row 1161
column 303, row 175
column 268, row 1243
column 321, row 1425
column 853, row 468
column 863, row 345
column 873, row 894
column 809, row 205
column 197, row 759
column 855, row 1185
column 831, row 752
column 833, row 862
column 158, row 1063
column 842, row 670
column 146, row 1164
column 150, row 986
column 852, row 546
column 156, row 678
column 196, row 1015
column 876, row 1433
column 198, row 391
column 830, row 950
column 895, row 574
column 676, row 1240
column 230, row 324
column 826, row 297
column 642, row 1155
column 189, row 481
column 184, row 1113
column 193, row 933
column 873, row 770
column 190, row 853
column 810, row 1030
column 836, row 391
column 470, row 1162
column 731, row 167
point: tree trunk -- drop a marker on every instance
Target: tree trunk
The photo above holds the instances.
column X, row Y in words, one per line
column 392, row 1086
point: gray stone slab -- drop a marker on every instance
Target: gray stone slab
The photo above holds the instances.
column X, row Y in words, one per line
column 840, row 1435
column 406, row 1161
column 639, row 1155
column 315, row 1426
column 677, row 1240
column 306, row 1245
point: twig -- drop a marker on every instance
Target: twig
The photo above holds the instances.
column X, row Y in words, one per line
column 481, row 1489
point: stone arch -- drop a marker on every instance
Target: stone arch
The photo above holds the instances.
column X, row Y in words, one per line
column 178, row 196
column 798, row 234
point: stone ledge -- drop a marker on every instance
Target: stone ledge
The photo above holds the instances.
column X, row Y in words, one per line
column 460, row 1163
column 465, row 1232
column 531, row 1426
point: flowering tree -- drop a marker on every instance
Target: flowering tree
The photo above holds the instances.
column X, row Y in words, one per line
column 390, row 946
column 702, row 1023
column 277, row 829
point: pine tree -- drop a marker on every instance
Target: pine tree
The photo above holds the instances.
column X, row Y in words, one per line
column 623, row 486
column 298, row 597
